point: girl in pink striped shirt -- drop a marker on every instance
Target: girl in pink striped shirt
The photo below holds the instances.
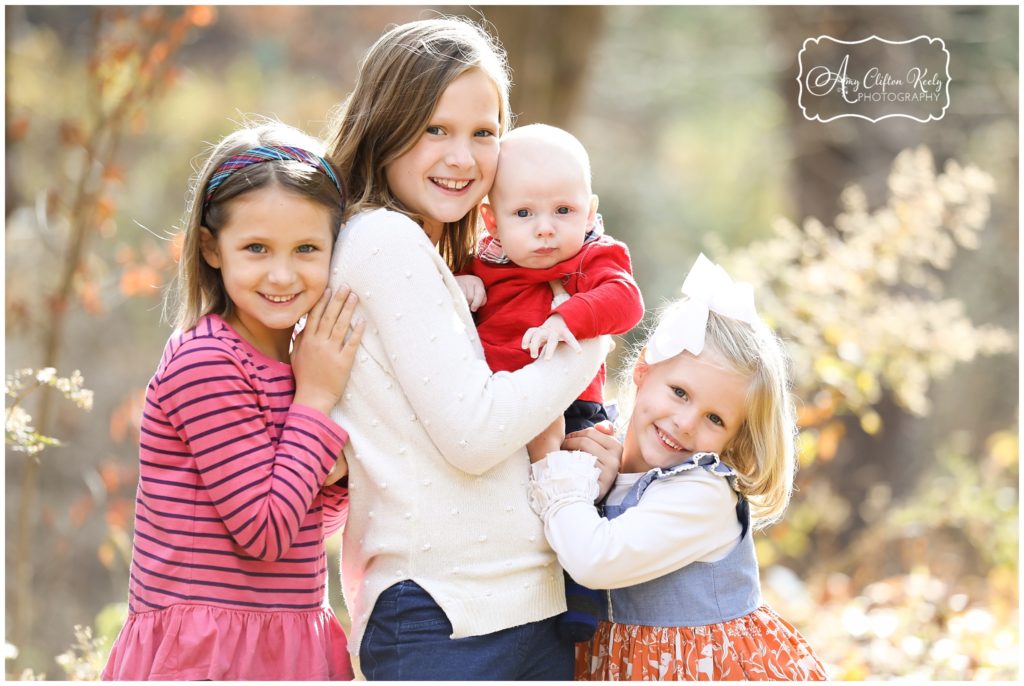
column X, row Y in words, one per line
column 241, row 471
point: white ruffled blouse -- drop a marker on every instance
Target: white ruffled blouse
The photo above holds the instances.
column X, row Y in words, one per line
column 690, row 517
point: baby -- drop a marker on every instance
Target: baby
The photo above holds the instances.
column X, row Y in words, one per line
column 544, row 235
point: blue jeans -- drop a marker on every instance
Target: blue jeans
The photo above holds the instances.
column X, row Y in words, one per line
column 407, row 638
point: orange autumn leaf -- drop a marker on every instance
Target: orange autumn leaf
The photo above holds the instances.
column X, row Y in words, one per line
column 124, row 255
column 829, row 438
column 119, row 513
column 80, row 510
column 113, row 172
column 71, row 133
column 105, row 207
column 89, row 296
column 105, row 553
column 140, row 280
column 110, row 475
column 201, row 15
column 17, row 128
column 124, row 420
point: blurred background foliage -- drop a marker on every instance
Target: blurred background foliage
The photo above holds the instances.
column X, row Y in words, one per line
column 886, row 254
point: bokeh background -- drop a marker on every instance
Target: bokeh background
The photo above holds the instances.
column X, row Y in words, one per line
column 885, row 253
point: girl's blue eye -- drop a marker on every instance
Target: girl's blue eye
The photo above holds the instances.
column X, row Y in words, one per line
column 436, row 130
column 563, row 210
column 680, row 393
column 256, row 248
column 484, row 133
column 522, row 213
column 715, row 419
column 307, row 248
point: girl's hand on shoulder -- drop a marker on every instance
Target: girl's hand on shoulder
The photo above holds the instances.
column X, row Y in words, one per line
column 600, row 442
column 325, row 350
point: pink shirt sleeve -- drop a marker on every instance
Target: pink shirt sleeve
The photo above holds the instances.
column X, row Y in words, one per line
column 260, row 488
column 335, row 501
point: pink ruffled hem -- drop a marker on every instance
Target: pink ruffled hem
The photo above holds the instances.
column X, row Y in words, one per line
column 197, row 642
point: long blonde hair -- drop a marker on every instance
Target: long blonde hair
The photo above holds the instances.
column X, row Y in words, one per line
column 400, row 81
column 198, row 289
column 763, row 453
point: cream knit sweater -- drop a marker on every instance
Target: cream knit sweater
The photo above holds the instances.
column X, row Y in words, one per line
column 437, row 466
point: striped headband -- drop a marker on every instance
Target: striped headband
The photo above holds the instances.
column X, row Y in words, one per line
column 268, row 153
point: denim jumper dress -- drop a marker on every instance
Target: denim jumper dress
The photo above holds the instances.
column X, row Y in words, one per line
column 700, row 593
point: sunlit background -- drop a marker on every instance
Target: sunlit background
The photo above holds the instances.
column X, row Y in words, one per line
column 886, row 254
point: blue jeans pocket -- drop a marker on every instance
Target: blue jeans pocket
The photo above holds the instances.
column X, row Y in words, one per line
column 403, row 633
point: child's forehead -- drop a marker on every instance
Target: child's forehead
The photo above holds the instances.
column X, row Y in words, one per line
column 538, row 163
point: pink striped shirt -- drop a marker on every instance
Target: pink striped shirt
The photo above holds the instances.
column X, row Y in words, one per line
column 230, row 515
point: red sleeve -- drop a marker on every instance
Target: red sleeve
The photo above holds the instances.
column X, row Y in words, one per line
column 261, row 490
column 607, row 301
column 335, row 499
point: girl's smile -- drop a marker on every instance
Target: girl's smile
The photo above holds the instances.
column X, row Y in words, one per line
column 684, row 405
column 451, row 166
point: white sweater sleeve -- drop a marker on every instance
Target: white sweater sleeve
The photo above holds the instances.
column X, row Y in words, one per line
column 684, row 519
column 475, row 418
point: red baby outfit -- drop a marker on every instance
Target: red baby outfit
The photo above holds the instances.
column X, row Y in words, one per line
column 605, row 300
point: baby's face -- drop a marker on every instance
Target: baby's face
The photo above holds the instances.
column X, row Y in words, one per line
column 541, row 204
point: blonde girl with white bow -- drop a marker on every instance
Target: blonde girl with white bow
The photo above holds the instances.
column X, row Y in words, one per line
column 708, row 458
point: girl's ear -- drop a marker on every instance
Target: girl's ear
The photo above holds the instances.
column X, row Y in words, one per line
column 641, row 368
column 490, row 222
column 208, row 246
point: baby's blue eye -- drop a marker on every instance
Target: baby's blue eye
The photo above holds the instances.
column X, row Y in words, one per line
column 563, row 210
column 522, row 213
column 680, row 393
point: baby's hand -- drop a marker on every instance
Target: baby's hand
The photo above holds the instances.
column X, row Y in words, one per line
column 473, row 288
column 600, row 442
column 548, row 335
column 548, row 441
column 323, row 353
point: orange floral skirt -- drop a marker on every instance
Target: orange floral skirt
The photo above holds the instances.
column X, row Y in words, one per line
column 758, row 647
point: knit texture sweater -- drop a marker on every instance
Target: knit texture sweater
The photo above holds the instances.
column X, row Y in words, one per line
column 438, row 470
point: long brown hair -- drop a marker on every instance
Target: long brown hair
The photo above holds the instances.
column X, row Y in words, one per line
column 198, row 289
column 401, row 79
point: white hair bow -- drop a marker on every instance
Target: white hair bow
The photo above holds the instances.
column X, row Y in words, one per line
column 710, row 289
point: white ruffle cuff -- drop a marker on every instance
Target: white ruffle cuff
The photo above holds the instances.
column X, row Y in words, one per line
column 562, row 478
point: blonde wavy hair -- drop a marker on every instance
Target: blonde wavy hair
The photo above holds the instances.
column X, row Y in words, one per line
column 763, row 453
column 401, row 79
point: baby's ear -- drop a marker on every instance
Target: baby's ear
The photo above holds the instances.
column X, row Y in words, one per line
column 490, row 222
column 208, row 246
column 592, row 214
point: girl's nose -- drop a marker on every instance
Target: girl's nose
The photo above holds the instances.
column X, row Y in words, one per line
column 686, row 421
column 281, row 272
column 459, row 155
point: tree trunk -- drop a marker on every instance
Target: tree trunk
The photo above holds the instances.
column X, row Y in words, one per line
column 549, row 50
